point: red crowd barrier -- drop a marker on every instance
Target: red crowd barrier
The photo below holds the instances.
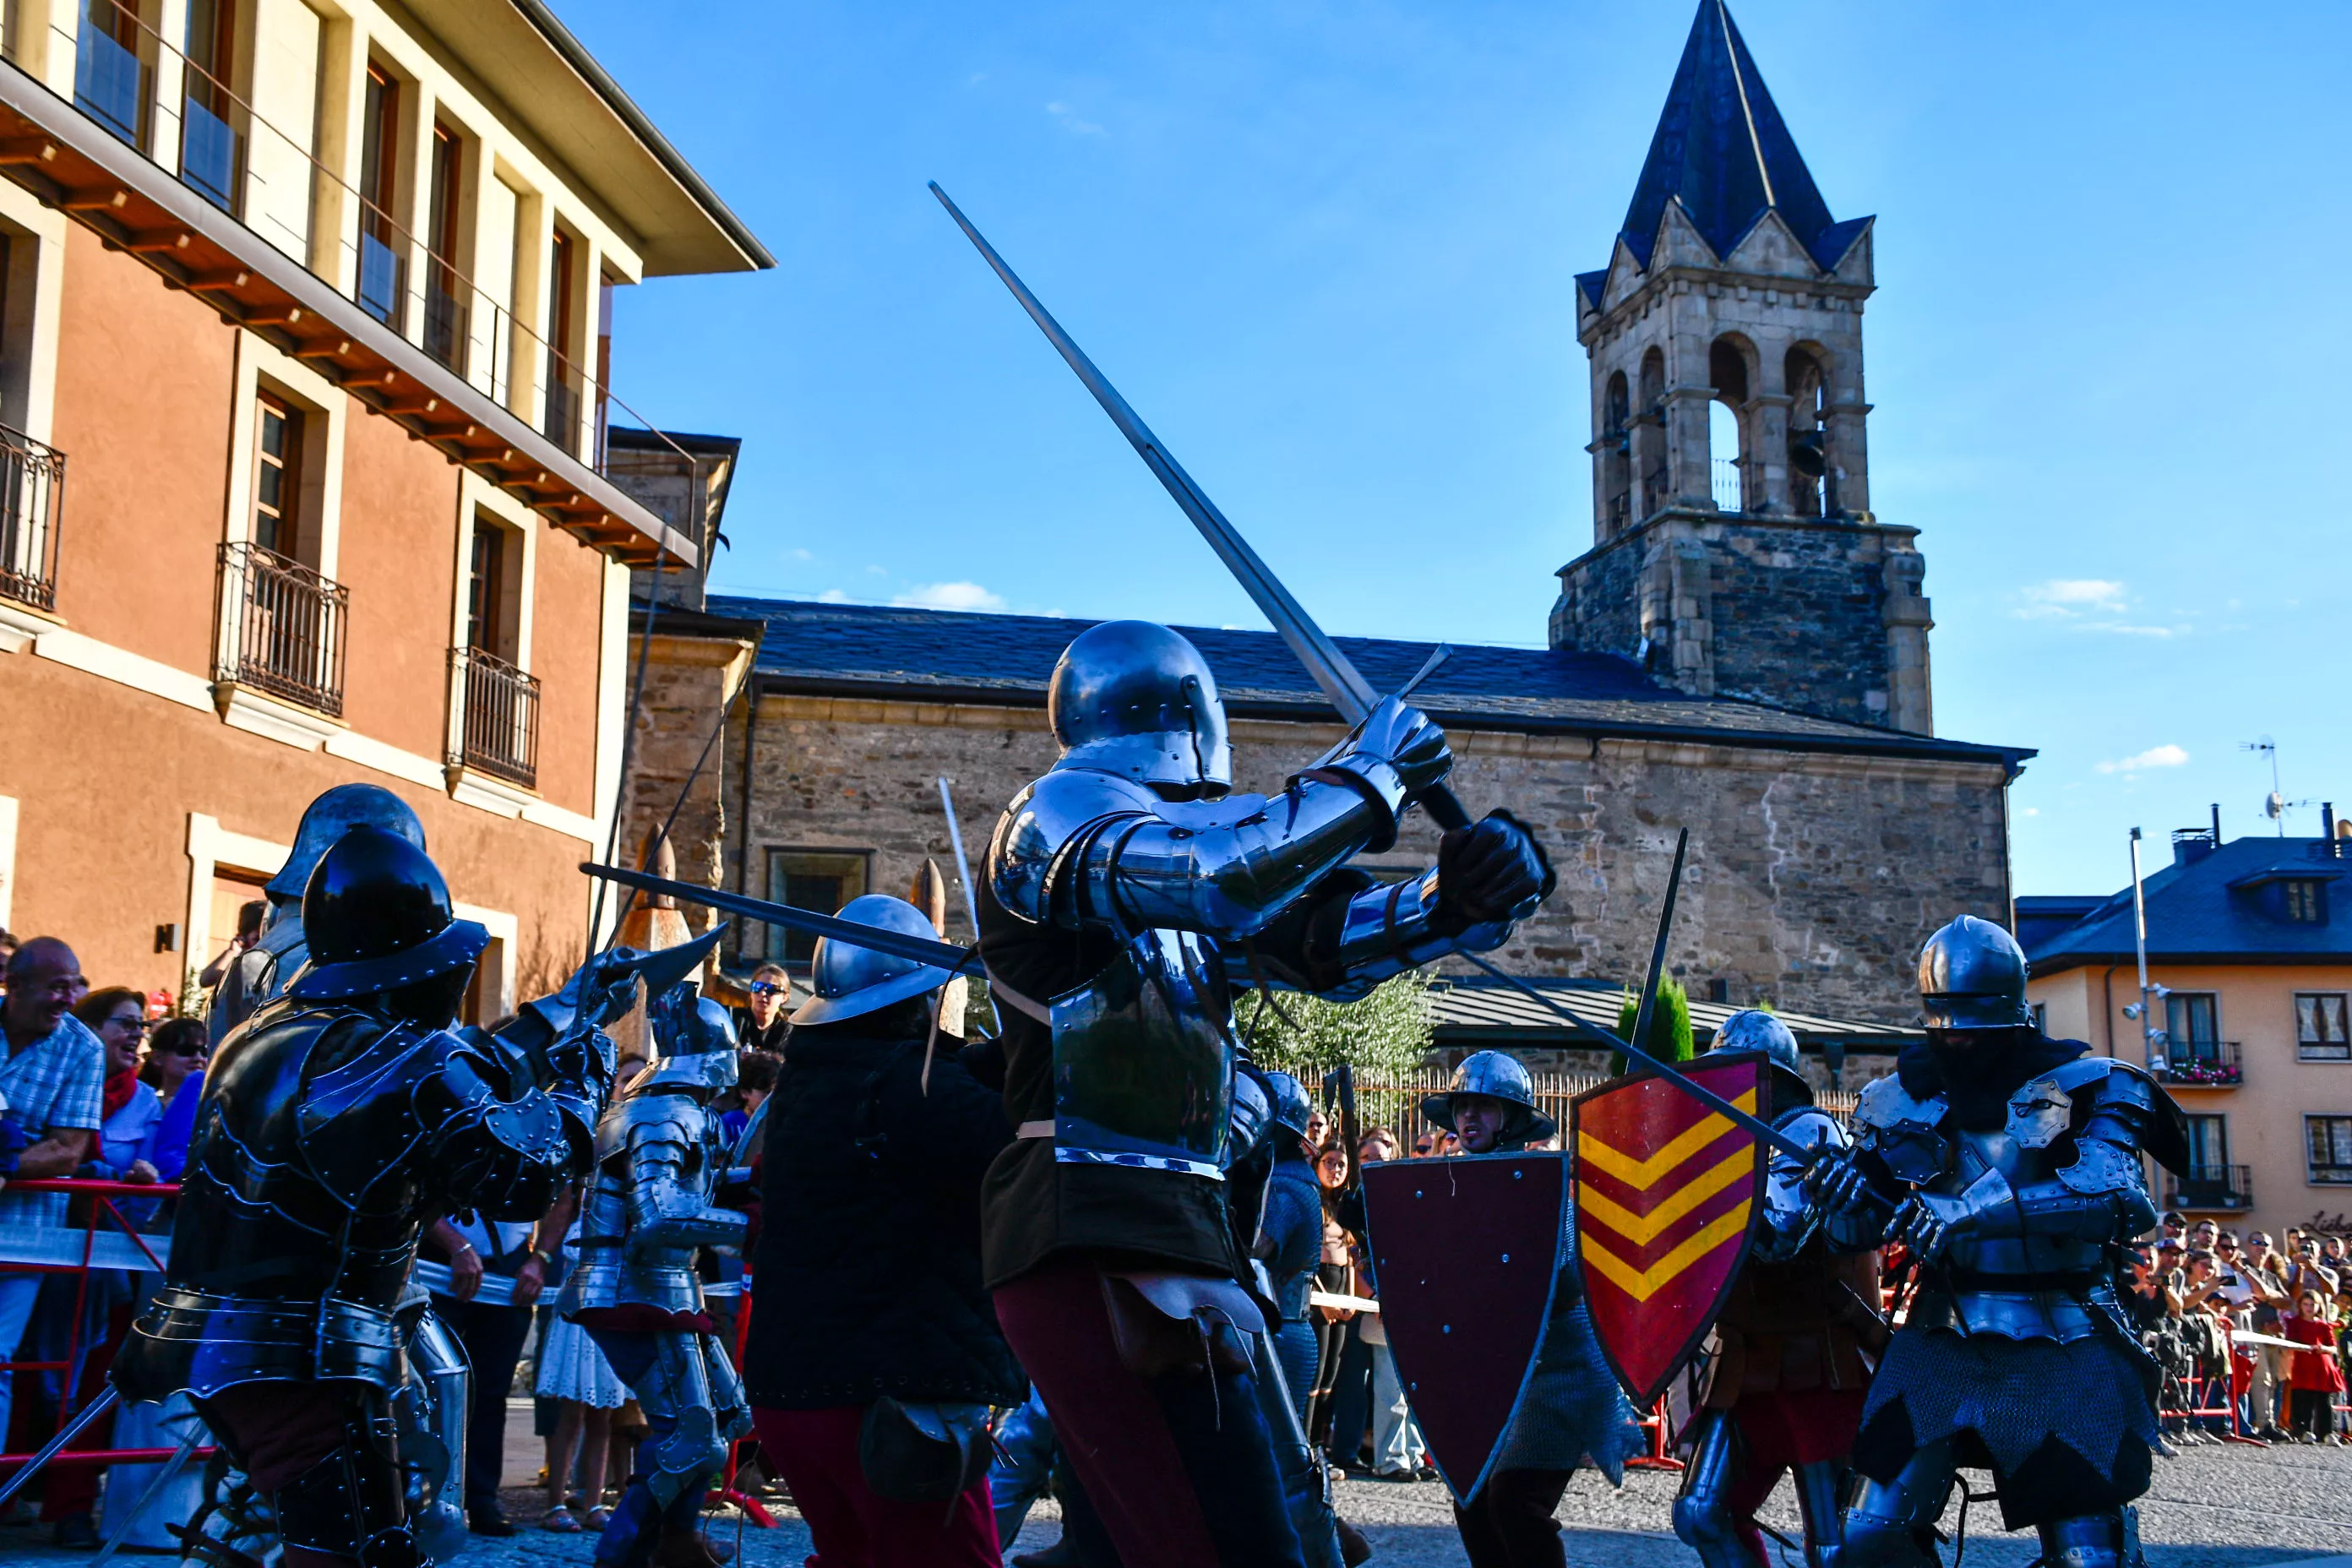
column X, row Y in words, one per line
column 104, row 1210
column 753, row 1509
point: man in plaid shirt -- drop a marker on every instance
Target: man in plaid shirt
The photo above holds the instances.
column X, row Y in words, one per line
column 50, row 1084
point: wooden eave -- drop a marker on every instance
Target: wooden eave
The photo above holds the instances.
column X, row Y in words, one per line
column 72, row 163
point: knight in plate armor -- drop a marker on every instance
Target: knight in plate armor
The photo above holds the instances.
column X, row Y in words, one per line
column 1573, row 1410
column 2008, row 1164
column 334, row 1124
column 1119, row 891
column 660, row 1157
column 1789, row 1363
column 259, row 974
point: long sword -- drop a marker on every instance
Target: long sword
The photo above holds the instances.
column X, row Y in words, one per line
column 1341, row 682
column 922, row 949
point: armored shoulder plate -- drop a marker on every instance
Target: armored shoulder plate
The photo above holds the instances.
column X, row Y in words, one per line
column 1812, row 1126
column 647, row 1119
column 1044, row 822
column 1903, row 1132
column 359, row 1121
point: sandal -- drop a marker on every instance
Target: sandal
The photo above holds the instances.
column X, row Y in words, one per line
column 599, row 1517
column 559, row 1519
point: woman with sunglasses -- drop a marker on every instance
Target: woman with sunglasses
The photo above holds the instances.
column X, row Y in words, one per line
column 117, row 1016
column 176, row 1059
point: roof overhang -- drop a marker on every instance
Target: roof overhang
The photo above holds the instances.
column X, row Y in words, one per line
column 1463, row 1011
column 548, row 81
column 69, row 162
column 2060, row 963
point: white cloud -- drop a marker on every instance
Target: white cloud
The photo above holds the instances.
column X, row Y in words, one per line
column 833, row 597
column 951, row 596
column 2165, row 756
column 2032, row 811
column 2065, row 598
column 1071, row 122
column 803, row 555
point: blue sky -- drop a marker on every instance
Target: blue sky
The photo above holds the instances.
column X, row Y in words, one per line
column 1326, row 251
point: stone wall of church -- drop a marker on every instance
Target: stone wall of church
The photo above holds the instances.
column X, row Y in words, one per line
column 1812, row 879
column 1825, row 618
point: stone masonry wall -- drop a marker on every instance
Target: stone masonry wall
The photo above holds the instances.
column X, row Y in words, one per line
column 1811, row 881
column 1799, row 614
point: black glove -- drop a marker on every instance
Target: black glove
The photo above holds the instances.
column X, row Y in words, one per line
column 1492, row 870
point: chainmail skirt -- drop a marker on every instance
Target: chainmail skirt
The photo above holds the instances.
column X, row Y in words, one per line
column 2065, row 1428
column 572, row 1367
column 1574, row 1412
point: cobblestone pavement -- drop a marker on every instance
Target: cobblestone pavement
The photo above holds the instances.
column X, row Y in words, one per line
column 2213, row 1507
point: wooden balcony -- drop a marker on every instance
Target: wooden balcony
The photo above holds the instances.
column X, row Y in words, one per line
column 73, row 161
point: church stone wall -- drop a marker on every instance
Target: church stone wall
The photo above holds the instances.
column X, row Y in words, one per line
column 1812, row 879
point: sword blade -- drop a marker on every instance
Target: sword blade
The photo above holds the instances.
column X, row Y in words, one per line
column 1349, row 692
column 963, row 865
column 1643, row 1009
column 1667, row 1071
column 938, row 955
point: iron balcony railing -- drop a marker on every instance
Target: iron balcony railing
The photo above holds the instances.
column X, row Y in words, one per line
column 560, row 420
column 1727, row 484
column 284, row 630
column 2212, row 1188
column 2202, row 1064
column 32, row 502
column 497, row 717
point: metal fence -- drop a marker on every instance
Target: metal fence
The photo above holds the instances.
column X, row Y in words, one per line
column 1394, row 1100
column 499, row 717
column 32, row 495
column 285, row 631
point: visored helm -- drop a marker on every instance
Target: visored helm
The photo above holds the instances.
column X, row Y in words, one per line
column 1135, row 699
column 1291, row 1106
column 697, row 1040
column 377, row 916
column 1498, row 1075
column 328, row 818
column 1972, row 976
column 851, row 980
column 1756, row 1030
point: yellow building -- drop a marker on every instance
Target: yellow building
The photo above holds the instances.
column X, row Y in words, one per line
column 2250, row 962
column 305, row 310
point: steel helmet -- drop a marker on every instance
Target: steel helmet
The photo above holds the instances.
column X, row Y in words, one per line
column 1972, row 976
column 376, row 917
column 1754, row 1029
column 328, row 818
column 1498, row 1075
column 697, row 1039
column 1136, row 699
column 850, row 981
column 1291, row 1106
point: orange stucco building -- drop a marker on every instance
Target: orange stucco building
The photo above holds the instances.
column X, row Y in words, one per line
column 2249, row 973
column 304, row 315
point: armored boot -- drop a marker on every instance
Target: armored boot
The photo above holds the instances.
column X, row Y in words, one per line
column 1703, row 1518
column 1821, row 1488
column 2091, row 1541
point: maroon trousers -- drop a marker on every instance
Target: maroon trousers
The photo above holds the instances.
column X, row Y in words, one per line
column 816, row 1453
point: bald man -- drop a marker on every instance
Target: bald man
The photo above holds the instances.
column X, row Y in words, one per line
column 50, row 1085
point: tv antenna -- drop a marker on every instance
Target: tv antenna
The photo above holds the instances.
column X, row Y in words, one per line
column 2276, row 805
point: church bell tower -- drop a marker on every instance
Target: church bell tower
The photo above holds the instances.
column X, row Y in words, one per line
column 1734, row 549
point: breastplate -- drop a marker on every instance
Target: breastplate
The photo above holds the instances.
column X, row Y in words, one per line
column 2004, row 1276
column 1143, row 1059
column 610, row 1272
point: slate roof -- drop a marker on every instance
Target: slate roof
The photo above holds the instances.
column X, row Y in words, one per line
column 1484, row 1012
column 1722, row 150
column 882, row 651
column 2209, row 906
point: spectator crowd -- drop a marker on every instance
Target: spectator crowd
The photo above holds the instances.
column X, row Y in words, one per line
column 102, row 1084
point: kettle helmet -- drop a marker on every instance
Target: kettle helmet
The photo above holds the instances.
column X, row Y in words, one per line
column 849, row 981
column 377, row 916
column 1498, row 1075
column 333, row 814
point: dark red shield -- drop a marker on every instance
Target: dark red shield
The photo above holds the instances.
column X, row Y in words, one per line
column 1466, row 1250
column 1667, row 1193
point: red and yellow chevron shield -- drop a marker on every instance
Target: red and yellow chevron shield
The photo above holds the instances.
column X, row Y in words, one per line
column 1666, row 1194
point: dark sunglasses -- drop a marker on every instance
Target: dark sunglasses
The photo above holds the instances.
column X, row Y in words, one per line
column 767, row 988
column 196, row 1048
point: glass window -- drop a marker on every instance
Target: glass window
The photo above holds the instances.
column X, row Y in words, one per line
column 2319, row 1031
column 2192, row 1026
column 277, row 479
column 2209, row 1144
column 818, row 879
column 2306, row 903
column 2331, row 1149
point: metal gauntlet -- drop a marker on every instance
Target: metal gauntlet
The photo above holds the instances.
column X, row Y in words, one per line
column 1392, row 927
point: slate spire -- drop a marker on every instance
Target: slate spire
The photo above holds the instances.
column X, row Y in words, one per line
column 1722, row 150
